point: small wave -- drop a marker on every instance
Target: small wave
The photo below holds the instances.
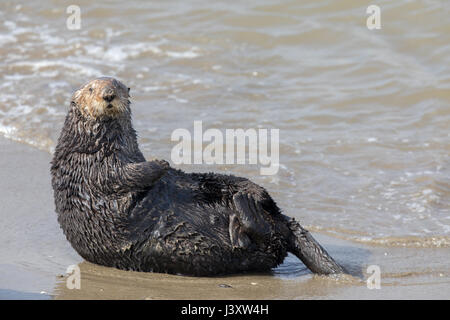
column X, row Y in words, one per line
column 119, row 53
column 189, row 54
column 6, row 39
column 409, row 242
column 40, row 142
column 38, row 66
column 389, row 241
column 8, row 131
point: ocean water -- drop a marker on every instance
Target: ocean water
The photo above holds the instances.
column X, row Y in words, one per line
column 363, row 115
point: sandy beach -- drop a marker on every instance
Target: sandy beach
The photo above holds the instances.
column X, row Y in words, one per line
column 35, row 256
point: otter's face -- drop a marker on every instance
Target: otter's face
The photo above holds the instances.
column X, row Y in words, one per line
column 102, row 97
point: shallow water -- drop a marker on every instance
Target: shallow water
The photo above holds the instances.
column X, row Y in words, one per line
column 363, row 115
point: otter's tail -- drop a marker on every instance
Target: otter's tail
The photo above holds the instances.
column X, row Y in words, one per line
column 307, row 249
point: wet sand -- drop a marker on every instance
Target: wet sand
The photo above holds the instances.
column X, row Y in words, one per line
column 34, row 257
column 33, row 249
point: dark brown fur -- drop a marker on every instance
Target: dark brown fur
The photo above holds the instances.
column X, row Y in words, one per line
column 118, row 210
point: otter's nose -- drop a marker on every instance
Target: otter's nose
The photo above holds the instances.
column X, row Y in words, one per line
column 109, row 95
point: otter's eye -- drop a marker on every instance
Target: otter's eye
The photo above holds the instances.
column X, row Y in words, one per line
column 128, row 90
column 90, row 90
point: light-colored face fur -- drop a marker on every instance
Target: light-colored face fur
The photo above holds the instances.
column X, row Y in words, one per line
column 102, row 97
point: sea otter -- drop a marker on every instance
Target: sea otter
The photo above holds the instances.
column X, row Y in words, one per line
column 119, row 210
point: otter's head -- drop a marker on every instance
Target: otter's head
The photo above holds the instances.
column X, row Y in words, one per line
column 102, row 98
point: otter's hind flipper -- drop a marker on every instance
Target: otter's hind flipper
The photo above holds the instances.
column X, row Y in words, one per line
column 237, row 236
column 307, row 249
column 248, row 222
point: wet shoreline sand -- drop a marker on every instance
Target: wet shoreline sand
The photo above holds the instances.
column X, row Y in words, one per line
column 34, row 257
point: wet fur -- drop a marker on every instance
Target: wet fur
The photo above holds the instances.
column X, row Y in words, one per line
column 119, row 210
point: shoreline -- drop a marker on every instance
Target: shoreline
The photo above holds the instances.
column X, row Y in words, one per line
column 33, row 249
column 35, row 257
